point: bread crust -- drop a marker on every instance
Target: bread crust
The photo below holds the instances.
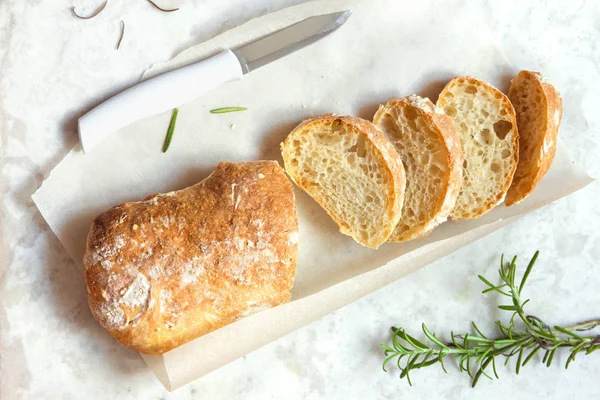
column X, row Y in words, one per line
column 172, row 267
column 380, row 144
column 511, row 116
column 443, row 126
column 526, row 180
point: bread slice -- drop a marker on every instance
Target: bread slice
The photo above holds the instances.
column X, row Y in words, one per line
column 430, row 151
column 539, row 111
column 485, row 121
column 350, row 168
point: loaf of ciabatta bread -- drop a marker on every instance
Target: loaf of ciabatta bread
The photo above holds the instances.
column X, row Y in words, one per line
column 175, row 266
column 352, row 170
column 429, row 147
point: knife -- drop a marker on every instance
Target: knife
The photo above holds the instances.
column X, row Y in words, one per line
column 171, row 89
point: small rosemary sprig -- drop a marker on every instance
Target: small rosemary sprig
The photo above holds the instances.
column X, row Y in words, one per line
column 475, row 352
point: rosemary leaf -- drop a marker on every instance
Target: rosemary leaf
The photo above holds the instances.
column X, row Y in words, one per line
column 528, row 270
column 567, row 332
column 121, row 36
column 171, row 130
column 224, row 110
column 530, row 356
column 518, row 367
column 550, row 358
column 98, row 11
column 494, row 367
column 162, row 9
column 431, row 336
column 441, row 359
column 387, row 360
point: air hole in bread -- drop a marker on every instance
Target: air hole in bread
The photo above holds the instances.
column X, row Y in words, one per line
column 484, row 137
column 410, row 114
column 360, row 148
column 450, row 111
column 501, row 129
column 495, row 167
column 505, row 154
column 337, row 126
column 351, row 159
column 434, row 170
column 465, row 164
column 498, row 96
column 471, row 89
column 485, row 113
column 503, row 112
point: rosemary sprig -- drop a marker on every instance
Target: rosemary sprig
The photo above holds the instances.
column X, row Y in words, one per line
column 476, row 352
column 171, row 130
column 224, row 110
column 98, row 11
column 162, row 9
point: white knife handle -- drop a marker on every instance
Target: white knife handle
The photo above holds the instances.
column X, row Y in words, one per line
column 157, row 95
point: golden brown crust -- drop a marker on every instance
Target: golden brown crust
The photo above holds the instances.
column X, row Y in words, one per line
column 511, row 116
column 534, row 162
column 443, row 126
column 455, row 161
column 175, row 266
column 379, row 143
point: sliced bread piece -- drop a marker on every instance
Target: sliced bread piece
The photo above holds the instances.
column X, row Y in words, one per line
column 350, row 168
column 539, row 111
column 430, row 151
column 485, row 121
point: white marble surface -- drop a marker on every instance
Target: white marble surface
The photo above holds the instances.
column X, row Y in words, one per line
column 53, row 67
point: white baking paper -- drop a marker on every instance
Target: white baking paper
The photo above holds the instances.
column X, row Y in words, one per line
column 387, row 49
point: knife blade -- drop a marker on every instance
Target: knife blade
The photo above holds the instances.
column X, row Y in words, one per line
column 171, row 89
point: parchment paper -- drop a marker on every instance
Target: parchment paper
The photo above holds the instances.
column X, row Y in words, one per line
column 387, row 49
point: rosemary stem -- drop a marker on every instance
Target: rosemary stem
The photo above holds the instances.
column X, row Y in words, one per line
column 584, row 326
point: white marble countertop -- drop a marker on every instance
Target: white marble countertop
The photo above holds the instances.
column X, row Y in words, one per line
column 53, row 67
